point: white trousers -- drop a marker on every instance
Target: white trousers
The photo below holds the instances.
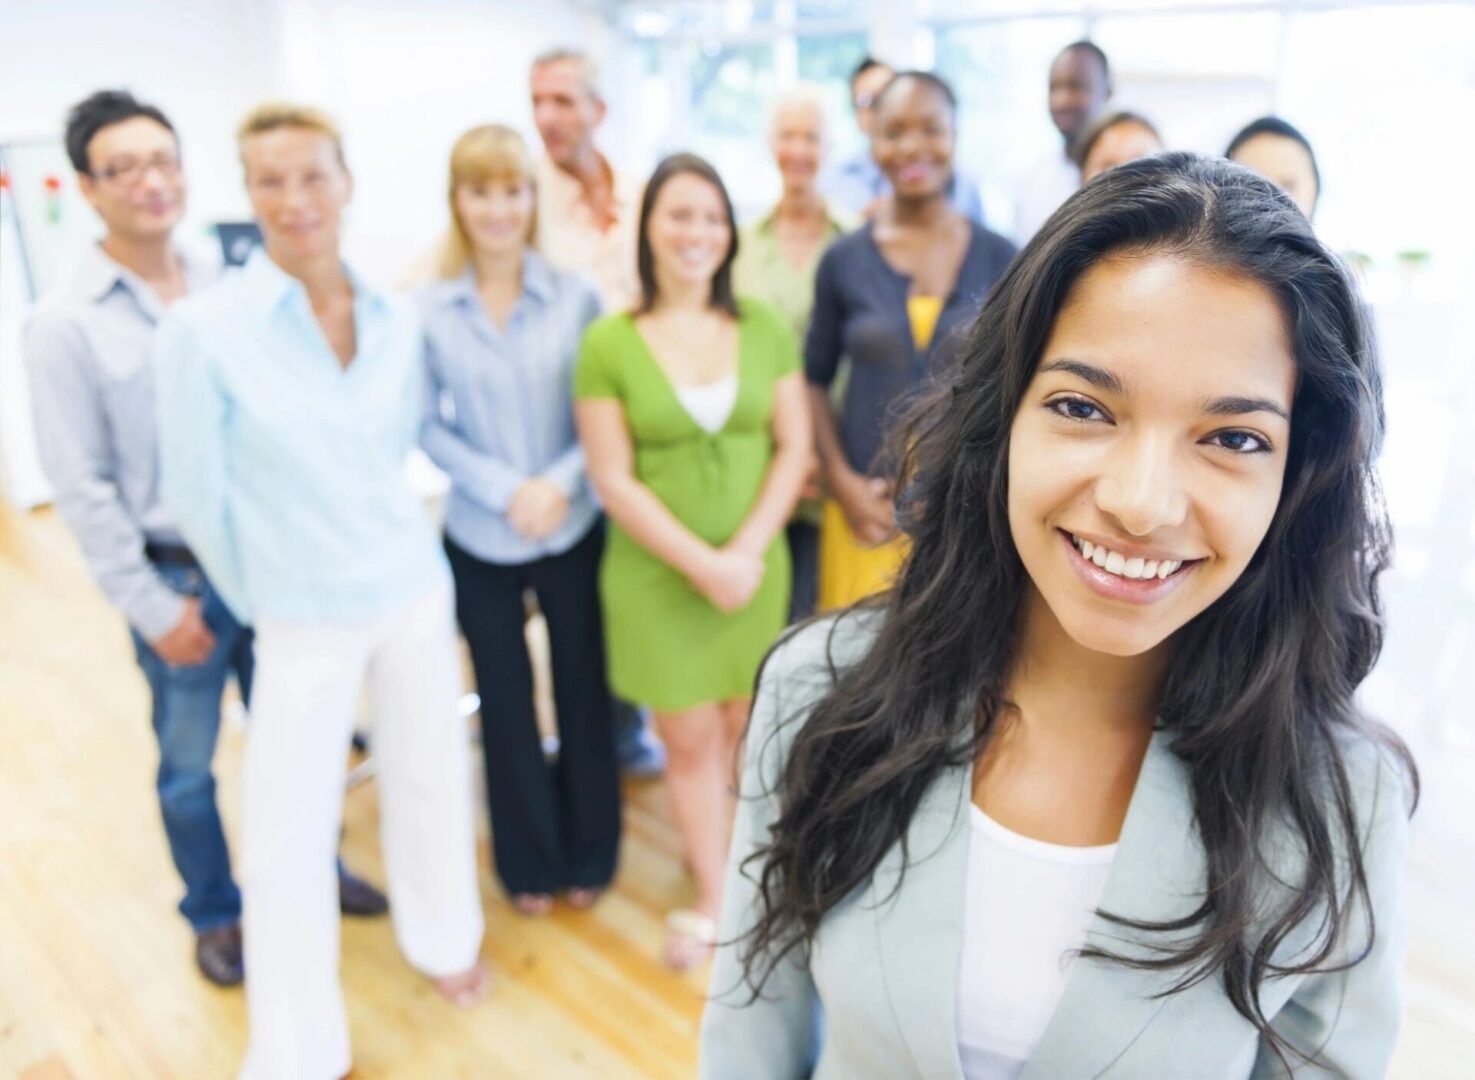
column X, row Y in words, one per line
column 308, row 680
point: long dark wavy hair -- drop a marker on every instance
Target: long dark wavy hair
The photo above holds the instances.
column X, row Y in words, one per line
column 1259, row 692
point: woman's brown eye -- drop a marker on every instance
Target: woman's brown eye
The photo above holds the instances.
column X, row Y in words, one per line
column 1242, row 442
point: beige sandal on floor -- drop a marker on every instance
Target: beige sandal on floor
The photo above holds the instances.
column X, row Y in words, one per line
column 690, row 939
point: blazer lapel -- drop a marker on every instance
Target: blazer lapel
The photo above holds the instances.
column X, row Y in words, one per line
column 919, row 930
column 1158, row 874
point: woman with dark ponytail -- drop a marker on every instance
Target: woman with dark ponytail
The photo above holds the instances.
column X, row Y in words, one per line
column 1087, row 793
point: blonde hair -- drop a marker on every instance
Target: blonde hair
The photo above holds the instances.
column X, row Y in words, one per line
column 491, row 153
column 274, row 115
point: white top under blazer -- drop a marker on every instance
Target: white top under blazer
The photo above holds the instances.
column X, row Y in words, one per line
column 1028, row 907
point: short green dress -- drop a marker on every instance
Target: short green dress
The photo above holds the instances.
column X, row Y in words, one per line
column 668, row 647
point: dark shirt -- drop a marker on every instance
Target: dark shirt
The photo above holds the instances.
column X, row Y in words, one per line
column 860, row 311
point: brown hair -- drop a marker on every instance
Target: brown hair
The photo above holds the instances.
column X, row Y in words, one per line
column 722, row 297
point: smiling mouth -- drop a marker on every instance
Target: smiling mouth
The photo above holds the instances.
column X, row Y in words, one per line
column 1128, row 568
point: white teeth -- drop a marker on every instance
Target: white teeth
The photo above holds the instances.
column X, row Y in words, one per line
column 1136, row 569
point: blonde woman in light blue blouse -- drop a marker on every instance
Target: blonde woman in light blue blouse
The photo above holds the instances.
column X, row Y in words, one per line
column 503, row 329
column 288, row 398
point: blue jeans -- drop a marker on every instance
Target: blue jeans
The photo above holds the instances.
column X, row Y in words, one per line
column 186, row 707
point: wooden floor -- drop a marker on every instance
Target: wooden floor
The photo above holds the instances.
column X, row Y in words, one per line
column 96, row 977
column 96, row 970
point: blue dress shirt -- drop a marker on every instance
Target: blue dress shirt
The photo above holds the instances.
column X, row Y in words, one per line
column 500, row 408
column 285, row 470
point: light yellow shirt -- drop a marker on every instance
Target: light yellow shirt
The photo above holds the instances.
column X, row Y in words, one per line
column 570, row 239
column 761, row 269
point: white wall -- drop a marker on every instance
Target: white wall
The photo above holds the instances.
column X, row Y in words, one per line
column 202, row 62
column 402, row 78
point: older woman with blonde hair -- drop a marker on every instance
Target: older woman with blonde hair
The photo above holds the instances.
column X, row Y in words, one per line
column 503, row 329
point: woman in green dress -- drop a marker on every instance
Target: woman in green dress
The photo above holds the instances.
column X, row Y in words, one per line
column 695, row 426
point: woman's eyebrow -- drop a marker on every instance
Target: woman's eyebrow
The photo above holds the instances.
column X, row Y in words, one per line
column 1097, row 377
column 1237, row 406
column 1112, row 384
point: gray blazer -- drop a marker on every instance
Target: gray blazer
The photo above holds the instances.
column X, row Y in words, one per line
column 876, row 996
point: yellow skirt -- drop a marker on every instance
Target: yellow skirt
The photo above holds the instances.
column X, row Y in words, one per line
column 848, row 570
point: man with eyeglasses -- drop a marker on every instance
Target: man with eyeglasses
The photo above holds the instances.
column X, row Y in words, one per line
column 88, row 350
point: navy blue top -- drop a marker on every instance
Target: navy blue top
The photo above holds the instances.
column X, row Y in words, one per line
column 860, row 311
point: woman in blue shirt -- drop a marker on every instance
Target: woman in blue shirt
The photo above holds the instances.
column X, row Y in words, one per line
column 502, row 330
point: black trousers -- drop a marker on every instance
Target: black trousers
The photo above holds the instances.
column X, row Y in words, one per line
column 555, row 825
column 804, row 554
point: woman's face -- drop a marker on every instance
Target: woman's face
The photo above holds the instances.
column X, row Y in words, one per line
column 689, row 232
column 497, row 215
column 1148, row 452
column 912, row 140
column 298, row 188
column 1118, row 145
column 1285, row 163
column 797, row 140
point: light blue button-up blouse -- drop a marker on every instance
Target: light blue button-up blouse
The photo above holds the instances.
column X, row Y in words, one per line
column 500, row 408
column 285, row 470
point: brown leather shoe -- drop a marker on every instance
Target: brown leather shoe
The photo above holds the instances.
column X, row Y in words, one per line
column 218, row 954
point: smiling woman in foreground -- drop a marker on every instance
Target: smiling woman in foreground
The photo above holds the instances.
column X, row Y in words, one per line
column 1087, row 793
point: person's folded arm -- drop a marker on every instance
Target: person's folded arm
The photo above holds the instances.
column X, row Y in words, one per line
column 79, row 460
column 478, row 475
column 1347, row 1021
column 637, row 510
column 568, row 471
column 823, row 348
column 773, row 1033
column 793, row 461
column 192, row 411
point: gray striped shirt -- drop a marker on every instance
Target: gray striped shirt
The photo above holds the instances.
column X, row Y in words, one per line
column 87, row 349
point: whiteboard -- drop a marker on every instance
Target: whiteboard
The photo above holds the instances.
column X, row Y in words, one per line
column 44, row 223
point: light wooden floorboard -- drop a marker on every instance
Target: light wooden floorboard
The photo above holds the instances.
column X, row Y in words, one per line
column 96, row 972
column 96, row 975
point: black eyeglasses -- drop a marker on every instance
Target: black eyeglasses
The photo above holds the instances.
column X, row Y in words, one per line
column 130, row 171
